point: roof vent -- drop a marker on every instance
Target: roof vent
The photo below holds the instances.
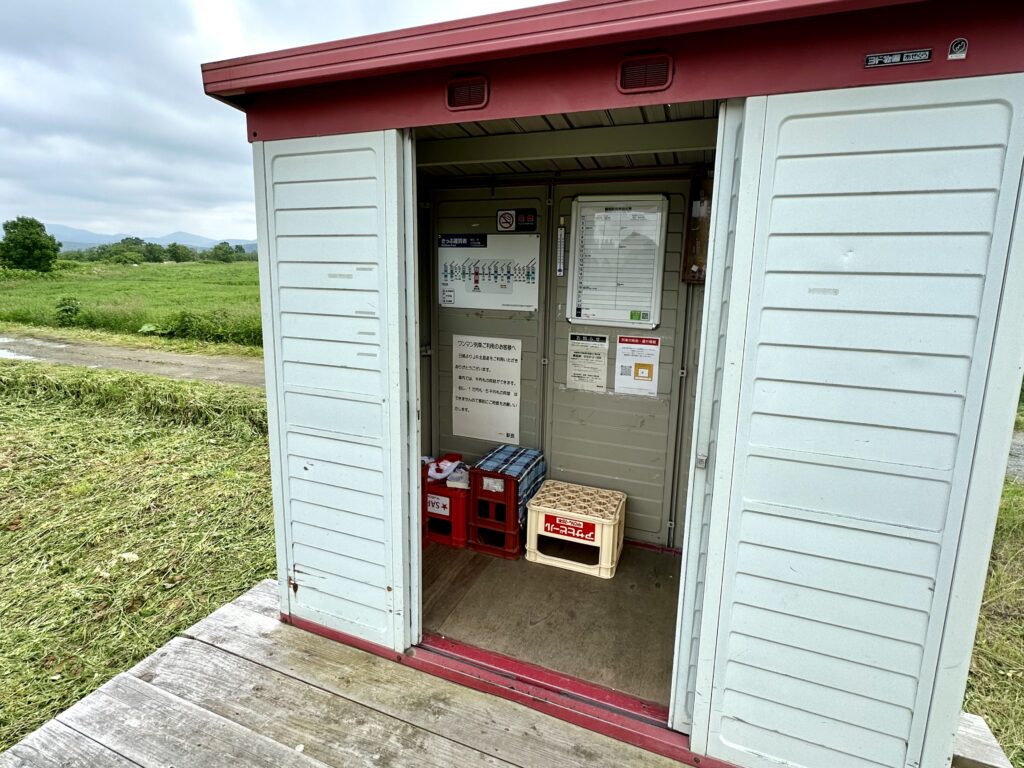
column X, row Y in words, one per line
column 467, row 93
column 651, row 72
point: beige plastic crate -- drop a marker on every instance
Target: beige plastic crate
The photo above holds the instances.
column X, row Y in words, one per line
column 591, row 516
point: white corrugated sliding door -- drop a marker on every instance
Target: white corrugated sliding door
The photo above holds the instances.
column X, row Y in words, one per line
column 333, row 266
column 728, row 159
column 871, row 244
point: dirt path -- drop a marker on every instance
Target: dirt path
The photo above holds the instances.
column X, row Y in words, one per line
column 223, row 368
column 176, row 365
column 1015, row 467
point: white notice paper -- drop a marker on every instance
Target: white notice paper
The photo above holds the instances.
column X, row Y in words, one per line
column 636, row 365
column 587, row 365
column 486, row 374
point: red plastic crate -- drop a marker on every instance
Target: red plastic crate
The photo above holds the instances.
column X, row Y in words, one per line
column 505, row 544
column 444, row 509
column 444, row 514
column 494, row 514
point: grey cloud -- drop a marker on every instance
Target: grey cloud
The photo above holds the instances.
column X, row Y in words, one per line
column 103, row 120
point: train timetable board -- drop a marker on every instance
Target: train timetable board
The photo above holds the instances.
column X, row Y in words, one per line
column 478, row 271
column 617, row 260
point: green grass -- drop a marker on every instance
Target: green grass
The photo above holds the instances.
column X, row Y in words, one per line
column 130, row 507
column 996, row 686
column 204, row 301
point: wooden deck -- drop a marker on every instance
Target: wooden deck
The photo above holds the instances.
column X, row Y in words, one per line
column 242, row 689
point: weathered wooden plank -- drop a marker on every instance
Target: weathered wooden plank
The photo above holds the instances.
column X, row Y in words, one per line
column 976, row 747
column 151, row 727
column 498, row 727
column 54, row 745
column 263, row 599
column 332, row 729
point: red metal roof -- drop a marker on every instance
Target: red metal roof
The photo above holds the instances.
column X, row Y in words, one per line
column 545, row 28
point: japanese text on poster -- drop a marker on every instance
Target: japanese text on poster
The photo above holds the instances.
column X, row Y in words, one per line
column 636, row 365
column 617, row 261
column 486, row 374
column 587, row 362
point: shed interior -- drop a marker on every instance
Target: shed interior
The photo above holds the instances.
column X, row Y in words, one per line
column 620, row 632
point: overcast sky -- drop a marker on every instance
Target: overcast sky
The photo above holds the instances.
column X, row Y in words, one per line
column 103, row 121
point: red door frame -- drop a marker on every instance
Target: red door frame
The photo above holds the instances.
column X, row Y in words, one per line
column 621, row 717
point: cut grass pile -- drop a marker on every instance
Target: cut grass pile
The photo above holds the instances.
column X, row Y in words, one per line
column 995, row 689
column 204, row 301
column 130, row 508
column 234, row 410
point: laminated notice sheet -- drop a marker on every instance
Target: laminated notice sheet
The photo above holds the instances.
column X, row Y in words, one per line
column 617, row 260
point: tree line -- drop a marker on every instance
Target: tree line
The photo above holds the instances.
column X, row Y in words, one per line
column 27, row 245
column 135, row 250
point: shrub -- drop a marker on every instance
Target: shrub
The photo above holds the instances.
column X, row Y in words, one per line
column 8, row 273
column 68, row 308
column 213, row 326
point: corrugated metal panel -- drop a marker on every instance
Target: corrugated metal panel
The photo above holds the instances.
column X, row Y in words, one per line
column 622, row 442
column 710, row 375
column 568, row 121
column 332, row 302
column 883, row 219
column 474, row 211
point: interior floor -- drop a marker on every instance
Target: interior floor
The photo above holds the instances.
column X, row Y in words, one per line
column 617, row 633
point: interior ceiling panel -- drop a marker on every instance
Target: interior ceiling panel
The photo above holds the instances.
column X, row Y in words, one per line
column 567, row 121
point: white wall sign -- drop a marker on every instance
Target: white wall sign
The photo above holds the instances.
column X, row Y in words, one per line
column 617, row 260
column 636, row 365
column 488, row 271
column 486, row 376
column 587, row 362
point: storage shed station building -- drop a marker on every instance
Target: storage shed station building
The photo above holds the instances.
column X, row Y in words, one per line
column 813, row 467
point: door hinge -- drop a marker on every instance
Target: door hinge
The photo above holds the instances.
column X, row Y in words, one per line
column 426, row 351
column 702, row 461
column 543, row 361
column 682, row 373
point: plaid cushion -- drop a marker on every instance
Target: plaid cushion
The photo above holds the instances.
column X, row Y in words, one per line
column 524, row 464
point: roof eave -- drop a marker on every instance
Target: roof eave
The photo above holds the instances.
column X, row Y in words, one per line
column 559, row 26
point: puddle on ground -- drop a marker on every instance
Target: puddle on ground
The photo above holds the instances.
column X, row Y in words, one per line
column 6, row 354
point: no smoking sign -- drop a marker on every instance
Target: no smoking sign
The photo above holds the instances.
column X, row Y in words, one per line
column 516, row 220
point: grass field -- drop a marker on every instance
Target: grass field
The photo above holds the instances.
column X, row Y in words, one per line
column 131, row 506
column 996, row 686
column 203, row 301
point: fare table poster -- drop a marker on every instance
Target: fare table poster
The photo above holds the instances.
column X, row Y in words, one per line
column 617, row 261
column 486, row 375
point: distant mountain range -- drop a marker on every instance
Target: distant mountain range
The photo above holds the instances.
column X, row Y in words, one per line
column 73, row 239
